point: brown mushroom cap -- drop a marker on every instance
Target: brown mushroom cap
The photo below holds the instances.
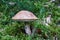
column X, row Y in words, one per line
column 24, row 16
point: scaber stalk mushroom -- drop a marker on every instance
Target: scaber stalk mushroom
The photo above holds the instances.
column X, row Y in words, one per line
column 27, row 17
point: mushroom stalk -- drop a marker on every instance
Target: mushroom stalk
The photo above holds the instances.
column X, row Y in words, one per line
column 27, row 29
column 33, row 32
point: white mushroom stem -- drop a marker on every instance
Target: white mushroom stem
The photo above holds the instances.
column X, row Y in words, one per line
column 33, row 32
column 27, row 29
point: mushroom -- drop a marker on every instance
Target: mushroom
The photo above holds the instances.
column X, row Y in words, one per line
column 25, row 16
